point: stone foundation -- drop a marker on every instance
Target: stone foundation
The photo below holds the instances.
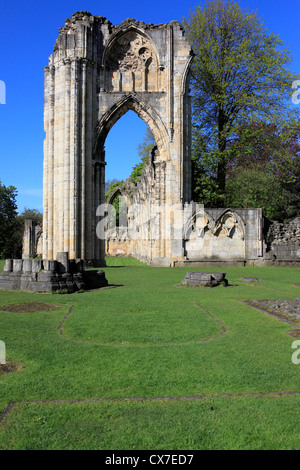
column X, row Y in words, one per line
column 61, row 275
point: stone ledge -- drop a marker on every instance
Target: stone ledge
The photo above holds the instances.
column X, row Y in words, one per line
column 209, row 263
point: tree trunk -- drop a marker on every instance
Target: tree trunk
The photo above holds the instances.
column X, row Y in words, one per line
column 221, row 171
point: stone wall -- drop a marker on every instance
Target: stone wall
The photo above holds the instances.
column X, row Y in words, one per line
column 227, row 235
column 214, row 235
column 283, row 240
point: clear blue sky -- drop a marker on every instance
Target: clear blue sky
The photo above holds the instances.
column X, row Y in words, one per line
column 28, row 31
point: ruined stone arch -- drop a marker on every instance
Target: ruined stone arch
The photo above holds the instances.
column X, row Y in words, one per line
column 144, row 111
column 130, row 62
column 198, row 223
column 119, row 191
column 225, row 224
column 228, row 222
column 97, row 72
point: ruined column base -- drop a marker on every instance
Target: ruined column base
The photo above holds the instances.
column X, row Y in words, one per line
column 60, row 276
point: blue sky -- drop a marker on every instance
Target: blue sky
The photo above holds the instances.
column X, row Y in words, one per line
column 28, row 31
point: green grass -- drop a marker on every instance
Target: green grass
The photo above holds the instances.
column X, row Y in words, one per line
column 147, row 338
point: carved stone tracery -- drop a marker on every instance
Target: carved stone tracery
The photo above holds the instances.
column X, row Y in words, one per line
column 131, row 52
column 226, row 224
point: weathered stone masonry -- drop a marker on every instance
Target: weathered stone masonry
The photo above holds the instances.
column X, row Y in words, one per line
column 97, row 72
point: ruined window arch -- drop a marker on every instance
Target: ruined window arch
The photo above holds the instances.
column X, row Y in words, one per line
column 122, row 146
column 144, row 111
column 131, row 63
column 97, row 72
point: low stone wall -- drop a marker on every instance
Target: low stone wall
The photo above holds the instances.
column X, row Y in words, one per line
column 61, row 275
column 283, row 241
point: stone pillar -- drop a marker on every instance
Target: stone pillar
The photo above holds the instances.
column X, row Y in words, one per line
column 8, row 267
column 28, row 240
column 89, row 207
column 66, row 195
column 84, row 63
column 48, row 161
column 63, row 262
column 27, row 265
column 17, row 265
column 74, row 145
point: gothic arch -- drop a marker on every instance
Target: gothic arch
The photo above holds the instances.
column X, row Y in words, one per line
column 186, row 76
column 119, row 191
column 235, row 222
column 144, row 111
column 198, row 223
column 130, row 62
column 97, row 72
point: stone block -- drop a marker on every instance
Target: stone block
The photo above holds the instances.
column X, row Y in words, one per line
column 63, row 263
column 17, row 265
column 202, row 279
column 27, row 265
column 36, row 265
column 8, row 267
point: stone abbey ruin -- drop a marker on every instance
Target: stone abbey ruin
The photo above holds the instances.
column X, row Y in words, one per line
column 97, row 72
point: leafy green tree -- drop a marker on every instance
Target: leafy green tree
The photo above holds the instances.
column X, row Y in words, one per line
column 15, row 241
column 144, row 150
column 8, row 214
column 292, row 200
column 251, row 187
column 112, row 187
column 275, row 148
column 266, row 157
column 116, row 200
column 110, row 184
column 31, row 214
column 240, row 72
column 204, row 169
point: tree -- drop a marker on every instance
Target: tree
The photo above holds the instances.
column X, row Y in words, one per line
column 110, row 184
column 292, row 199
column 112, row 187
column 8, row 214
column 15, row 241
column 204, row 182
column 250, row 187
column 31, row 214
column 240, row 72
column 275, row 148
column 143, row 151
column 264, row 170
column 115, row 184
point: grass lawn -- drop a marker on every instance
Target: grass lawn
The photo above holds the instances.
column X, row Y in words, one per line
column 152, row 365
